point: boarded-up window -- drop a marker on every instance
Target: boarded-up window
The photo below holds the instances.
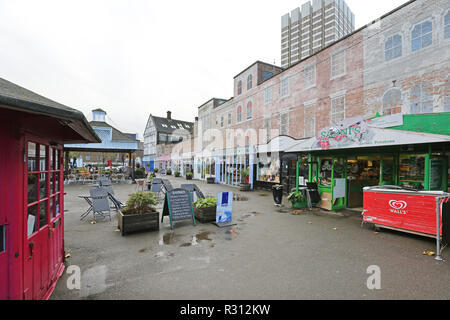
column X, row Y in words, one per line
column 392, row 102
column 310, row 121
column 337, row 109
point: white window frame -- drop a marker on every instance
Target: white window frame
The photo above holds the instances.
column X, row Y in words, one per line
column 333, row 55
column 444, row 25
column 310, row 84
column 422, row 35
column 246, row 110
column 284, row 113
column 392, row 49
column 237, row 113
column 310, row 105
column 423, row 98
column 334, row 98
column 268, row 95
column 284, row 87
column 230, row 119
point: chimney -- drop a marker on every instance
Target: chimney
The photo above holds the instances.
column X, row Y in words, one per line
column 169, row 115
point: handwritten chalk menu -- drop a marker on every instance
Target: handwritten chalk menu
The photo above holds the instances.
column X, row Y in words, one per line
column 178, row 206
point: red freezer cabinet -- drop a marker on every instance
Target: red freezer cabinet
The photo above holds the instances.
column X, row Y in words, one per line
column 412, row 211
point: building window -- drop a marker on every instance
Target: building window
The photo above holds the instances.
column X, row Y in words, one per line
column 284, row 87
column 422, row 35
column 392, row 101
column 267, row 75
column 422, row 98
column 310, row 121
column 249, row 110
column 267, row 127
column 310, row 76
column 239, row 114
column 239, row 87
column 249, row 82
column 447, row 25
column 284, row 123
column 162, row 137
column 338, row 67
column 268, row 95
column 88, row 157
column 393, row 47
column 447, row 96
column 229, row 118
column 222, row 121
column 337, row 109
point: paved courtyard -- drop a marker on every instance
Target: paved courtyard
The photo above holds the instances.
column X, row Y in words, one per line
column 269, row 254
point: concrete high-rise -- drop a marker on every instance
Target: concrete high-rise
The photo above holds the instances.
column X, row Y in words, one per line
column 312, row 27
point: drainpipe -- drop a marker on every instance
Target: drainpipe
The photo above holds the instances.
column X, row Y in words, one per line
column 438, row 228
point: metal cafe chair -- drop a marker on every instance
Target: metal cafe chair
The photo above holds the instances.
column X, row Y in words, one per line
column 100, row 203
column 71, row 178
column 167, row 185
column 110, row 191
column 140, row 184
column 156, row 188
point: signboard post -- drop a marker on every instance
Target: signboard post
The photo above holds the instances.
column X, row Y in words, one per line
column 178, row 206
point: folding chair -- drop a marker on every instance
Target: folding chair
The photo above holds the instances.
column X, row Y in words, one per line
column 156, row 188
column 167, row 185
column 110, row 191
column 100, row 203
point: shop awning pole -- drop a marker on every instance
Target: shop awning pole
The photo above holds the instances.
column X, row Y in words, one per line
column 438, row 229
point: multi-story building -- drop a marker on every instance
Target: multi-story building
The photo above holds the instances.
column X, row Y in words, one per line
column 315, row 25
column 160, row 136
column 374, row 104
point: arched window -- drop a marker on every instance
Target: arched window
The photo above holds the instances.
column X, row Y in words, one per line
column 239, row 114
column 392, row 102
column 249, row 82
column 239, row 88
column 421, row 98
column 249, row 110
column 422, row 35
column 447, row 25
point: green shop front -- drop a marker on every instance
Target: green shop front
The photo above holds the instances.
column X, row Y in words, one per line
column 403, row 150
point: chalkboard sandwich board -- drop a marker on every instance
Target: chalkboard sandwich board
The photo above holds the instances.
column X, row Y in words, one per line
column 178, row 206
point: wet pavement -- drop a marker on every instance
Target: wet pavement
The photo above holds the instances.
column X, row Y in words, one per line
column 271, row 253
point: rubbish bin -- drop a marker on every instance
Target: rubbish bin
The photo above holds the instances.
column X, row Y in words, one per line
column 277, row 191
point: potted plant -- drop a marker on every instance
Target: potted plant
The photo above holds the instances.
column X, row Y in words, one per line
column 244, row 185
column 155, row 170
column 298, row 199
column 169, row 172
column 139, row 173
column 177, row 174
column 189, row 175
column 210, row 180
column 139, row 214
column 205, row 209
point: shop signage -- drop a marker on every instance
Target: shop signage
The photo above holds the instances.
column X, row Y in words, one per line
column 178, row 206
column 397, row 207
column 347, row 132
column 224, row 207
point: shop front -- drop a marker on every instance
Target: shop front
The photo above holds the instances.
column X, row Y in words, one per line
column 231, row 163
column 346, row 159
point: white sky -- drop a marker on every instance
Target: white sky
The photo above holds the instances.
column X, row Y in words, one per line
column 137, row 57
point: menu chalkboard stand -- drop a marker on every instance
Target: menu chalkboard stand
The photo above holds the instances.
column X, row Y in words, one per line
column 182, row 210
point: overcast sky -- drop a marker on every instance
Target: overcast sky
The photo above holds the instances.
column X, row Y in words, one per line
column 137, row 57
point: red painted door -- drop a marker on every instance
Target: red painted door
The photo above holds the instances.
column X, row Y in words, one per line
column 56, row 212
column 37, row 265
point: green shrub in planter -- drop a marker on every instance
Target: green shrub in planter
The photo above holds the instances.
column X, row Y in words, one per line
column 139, row 214
column 139, row 173
column 177, row 173
column 189, row 175
column 205, row 209
column 155, row 170
column 169, row 172
column 297, row 199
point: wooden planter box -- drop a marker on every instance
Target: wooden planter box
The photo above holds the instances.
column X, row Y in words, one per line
column 204, row 215
column 210, row 180
column 244, row 187
column 130, row 223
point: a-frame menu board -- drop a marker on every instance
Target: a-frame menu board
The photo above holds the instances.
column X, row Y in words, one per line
column 178, row 206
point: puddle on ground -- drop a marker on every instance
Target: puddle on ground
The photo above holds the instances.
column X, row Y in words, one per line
column 204, row 235
column 144, row 250
column 251, row 214
column 231, row 234
column 167, row 238
column 187, row 244
column 263, row 194
column 239, row 197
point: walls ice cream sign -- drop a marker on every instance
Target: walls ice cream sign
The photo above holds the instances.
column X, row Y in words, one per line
column 398, row 207
column 352, row 131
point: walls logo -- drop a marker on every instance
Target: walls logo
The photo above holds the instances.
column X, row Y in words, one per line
column 398, row 207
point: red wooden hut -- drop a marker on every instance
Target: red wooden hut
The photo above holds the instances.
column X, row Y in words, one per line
column 33, row 130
